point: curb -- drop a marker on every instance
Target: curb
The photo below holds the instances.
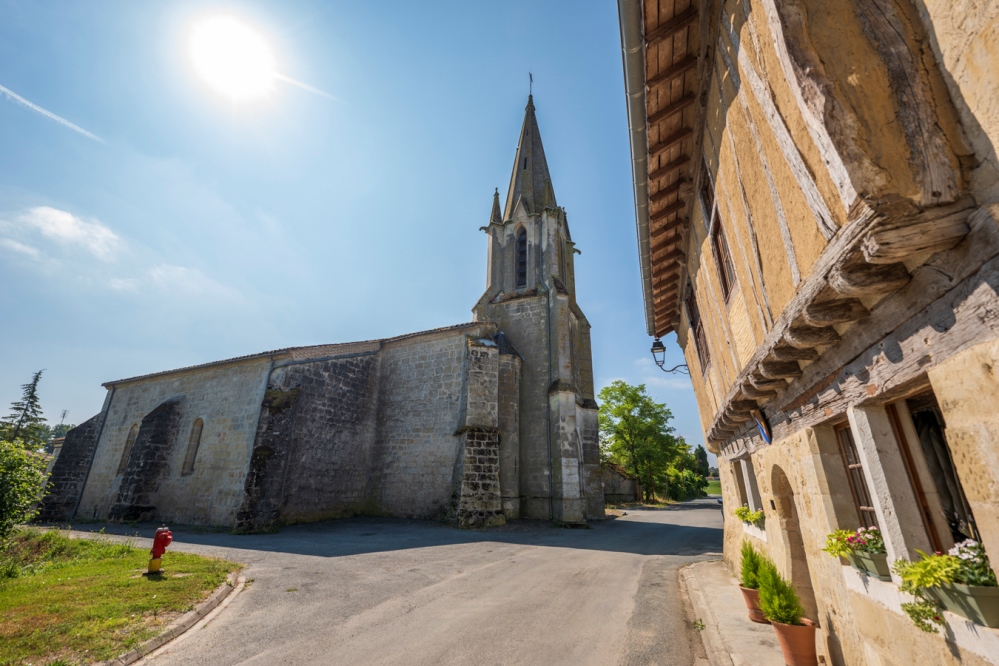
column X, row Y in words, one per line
column 181, row 624
column 711, row 639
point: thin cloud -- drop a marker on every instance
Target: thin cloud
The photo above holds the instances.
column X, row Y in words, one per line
column 304, row 86
column 48, row 114
column 69, row 229
column 12, row 244
column 189, row 281
column 123, row 284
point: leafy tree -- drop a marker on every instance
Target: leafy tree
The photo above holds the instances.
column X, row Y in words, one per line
column 22, row 480
column 702, row 461
column 25, row 421
column 635, row 432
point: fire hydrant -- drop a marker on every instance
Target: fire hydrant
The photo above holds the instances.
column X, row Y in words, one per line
column 161, row 540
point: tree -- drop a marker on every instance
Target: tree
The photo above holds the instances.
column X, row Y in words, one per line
column 25, row 421
column 702, row 461
column 22, row 480
column 635, row 432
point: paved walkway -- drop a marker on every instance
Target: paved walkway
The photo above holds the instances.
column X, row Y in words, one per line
column 389, row 591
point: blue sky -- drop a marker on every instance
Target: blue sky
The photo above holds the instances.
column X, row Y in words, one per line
column 193, row 228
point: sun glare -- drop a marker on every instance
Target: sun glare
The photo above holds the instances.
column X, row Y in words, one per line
column 232, row 58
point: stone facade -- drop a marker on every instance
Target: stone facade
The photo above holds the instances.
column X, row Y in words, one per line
column 476, row 423
column 819, row 228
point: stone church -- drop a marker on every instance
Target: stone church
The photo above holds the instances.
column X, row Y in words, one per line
column 476, row 423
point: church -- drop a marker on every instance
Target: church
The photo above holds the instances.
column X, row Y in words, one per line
column 476, row 424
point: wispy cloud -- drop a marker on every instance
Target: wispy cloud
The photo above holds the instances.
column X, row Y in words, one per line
column 48, row 114
column 69, row 229
column 123, row 284
column 189, row 281
column 12, row 244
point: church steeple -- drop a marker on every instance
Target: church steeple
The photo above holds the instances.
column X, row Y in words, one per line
column 530, row 182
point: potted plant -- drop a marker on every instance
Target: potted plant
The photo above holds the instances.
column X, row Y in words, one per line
column 865, row 549
column 746, row 515
column 780, row 605
column 749, row 582
column 962, row 581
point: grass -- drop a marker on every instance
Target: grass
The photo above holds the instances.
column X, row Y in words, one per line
column 67, row 601
column 714, row 488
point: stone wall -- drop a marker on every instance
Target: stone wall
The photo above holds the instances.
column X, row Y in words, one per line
column 618, row 485
column 477, row 495
column 69, row 472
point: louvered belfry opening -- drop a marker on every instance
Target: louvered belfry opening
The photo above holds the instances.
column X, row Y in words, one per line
column 671, row 57
column 522, row 258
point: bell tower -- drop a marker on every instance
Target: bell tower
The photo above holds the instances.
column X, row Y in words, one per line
column 531, row 295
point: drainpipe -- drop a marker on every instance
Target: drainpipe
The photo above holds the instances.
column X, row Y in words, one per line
column 633, row 56
column 97, row 442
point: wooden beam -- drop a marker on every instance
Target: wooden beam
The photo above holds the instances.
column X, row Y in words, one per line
column 780, row 369
column 672, row 141
column 667, row 239
column 840, row 311
column 759, row 394
column 667, row 191
column 667, row 169
column 903, row 239
column 675, row 207
column 859, row 279
column 793, row 354
column 743, row 405
column 804, row 337
column 761, row 383
column 664, row 31
column 670, row 256
column 668, row 229
column 671, row 110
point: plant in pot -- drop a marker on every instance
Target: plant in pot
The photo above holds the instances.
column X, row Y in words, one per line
column 780, row 605
column 749, row 581
column 865, row 549
column 747, row 515
column 962, row 581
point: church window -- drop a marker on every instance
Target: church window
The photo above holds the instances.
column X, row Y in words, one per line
column 129, row 442
column 697, row 328
column 522, row 258
column 192, row 446
column 525, row 164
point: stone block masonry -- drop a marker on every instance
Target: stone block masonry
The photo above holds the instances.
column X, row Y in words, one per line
column 477, row 494
column 69, row 473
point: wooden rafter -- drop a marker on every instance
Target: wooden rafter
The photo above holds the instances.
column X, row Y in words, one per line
column 666, row 30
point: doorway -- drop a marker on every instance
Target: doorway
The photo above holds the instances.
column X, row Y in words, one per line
column 787, row 515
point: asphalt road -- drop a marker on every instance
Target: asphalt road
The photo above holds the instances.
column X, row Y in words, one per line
column 388, row 591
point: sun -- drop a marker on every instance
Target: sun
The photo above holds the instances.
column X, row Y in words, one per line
column 232, row 58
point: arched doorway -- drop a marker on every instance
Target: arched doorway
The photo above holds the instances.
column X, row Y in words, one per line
column 787, row 516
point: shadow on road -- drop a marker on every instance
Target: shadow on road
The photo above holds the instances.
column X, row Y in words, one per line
column 687, row 529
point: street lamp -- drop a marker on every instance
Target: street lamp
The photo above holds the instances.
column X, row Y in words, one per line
column 659, row 356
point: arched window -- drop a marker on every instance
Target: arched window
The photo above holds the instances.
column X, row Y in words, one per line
column 522, row 258
column 192, row 446
column 132, row 434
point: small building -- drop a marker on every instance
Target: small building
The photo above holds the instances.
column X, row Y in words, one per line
column 817, row 195
column 619, row 485
column 476, row 423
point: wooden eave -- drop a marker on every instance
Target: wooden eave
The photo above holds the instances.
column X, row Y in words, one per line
column 672, row 45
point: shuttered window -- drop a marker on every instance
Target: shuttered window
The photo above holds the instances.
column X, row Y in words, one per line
column 855, row 473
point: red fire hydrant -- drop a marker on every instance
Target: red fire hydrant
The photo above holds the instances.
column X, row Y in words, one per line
column 161, row 540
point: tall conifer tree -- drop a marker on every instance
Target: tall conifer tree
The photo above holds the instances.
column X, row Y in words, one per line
column 25, row 420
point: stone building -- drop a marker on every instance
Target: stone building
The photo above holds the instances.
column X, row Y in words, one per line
column 816, row 191
column 476, row 423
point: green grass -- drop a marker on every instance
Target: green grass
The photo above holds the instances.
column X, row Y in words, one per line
column 714, row 488
column 82, row 600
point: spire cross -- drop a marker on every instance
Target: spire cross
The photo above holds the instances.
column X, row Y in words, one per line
column 530, row 87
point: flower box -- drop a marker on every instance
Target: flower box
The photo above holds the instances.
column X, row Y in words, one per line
column 873, row 564
column 979, row 604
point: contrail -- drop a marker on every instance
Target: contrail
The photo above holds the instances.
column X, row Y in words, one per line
column 48, row 114
column 303, row 86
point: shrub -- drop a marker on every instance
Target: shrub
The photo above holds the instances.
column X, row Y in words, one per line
column 744, row 514
column 778, row 600
column 22, row 480
column 750, row 567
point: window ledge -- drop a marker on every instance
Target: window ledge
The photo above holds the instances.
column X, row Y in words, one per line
column 960, row 631
column 754, row 531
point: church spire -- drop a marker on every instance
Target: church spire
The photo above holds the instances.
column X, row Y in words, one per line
column 530, row 181
column 496, row 217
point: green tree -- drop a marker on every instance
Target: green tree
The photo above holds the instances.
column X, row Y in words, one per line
column 702, row 461
column 635, row 433
column 25, row 421
column 22, row 481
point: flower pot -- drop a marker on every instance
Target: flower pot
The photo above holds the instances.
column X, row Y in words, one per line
column 797, row 643
column 752, row 599
column 872, row 564
column 978, row 604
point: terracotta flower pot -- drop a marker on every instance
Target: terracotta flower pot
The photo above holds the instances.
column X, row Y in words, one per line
column 797, row 643
column 752, row 599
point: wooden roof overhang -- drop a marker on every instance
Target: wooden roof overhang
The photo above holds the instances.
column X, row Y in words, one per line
column 663, row 57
